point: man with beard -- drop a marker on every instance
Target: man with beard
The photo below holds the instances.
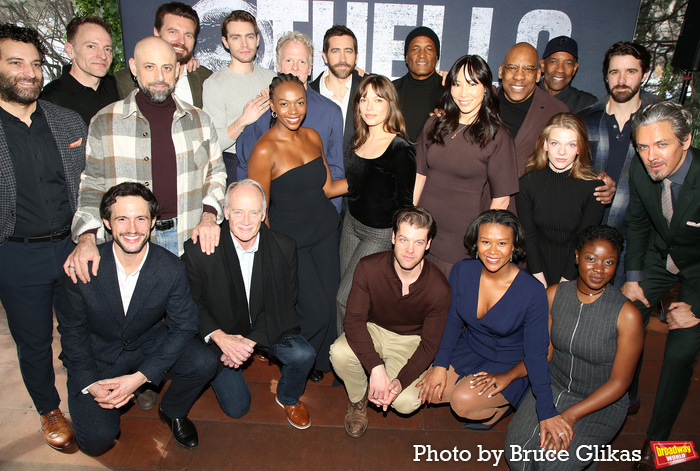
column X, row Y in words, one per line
column 178, row 24
column 42, row 152
column 396, row 315
column 152, row 137
column 663, row 221
column 340, row 81
column 84, row 86
column 625, row 68
column 232, row 112
column 559, row 64
column 112, row 333
column 294, row 56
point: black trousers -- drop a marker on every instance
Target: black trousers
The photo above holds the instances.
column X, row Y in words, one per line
column 29, row 277
column 682, row 347
column 96, row 428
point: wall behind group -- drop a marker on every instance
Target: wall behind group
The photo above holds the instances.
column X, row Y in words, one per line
column 483, row 27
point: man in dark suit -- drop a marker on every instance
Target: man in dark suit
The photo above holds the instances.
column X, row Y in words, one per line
column 112, row 333
column 663, row 249
column 245, row 292
column 178, row 24
column 340, row 81
column 42, row 152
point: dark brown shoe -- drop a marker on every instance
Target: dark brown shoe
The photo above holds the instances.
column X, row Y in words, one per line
column 297, row 415
column 57, row 431
column 633, row 408
column 356, row 418
column 647, row 461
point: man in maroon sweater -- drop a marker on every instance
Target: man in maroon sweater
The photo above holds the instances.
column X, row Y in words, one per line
column 395, row 317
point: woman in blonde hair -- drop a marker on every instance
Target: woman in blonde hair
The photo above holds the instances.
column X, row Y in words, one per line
column 381, row 172
column 556, row 199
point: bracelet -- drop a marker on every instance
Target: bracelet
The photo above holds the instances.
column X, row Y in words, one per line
column 236, row 128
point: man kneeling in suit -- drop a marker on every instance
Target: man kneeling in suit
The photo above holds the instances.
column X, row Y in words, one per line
column 113, row 335
column 246, row 292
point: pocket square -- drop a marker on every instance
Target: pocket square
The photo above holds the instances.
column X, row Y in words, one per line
column 75, row 144
column 693, row 224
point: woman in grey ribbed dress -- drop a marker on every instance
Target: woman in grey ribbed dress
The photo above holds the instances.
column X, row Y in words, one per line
column 596, row 339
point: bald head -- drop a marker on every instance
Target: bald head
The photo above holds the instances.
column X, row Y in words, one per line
column 520, row 72
column 155, row 67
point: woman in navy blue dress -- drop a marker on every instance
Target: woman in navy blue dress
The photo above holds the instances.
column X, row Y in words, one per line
column 495, row 343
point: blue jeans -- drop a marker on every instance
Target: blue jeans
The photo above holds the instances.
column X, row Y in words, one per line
column 297, row 357
column 168, row 239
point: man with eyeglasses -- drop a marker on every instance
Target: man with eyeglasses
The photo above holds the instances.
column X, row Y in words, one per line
column 525, row 108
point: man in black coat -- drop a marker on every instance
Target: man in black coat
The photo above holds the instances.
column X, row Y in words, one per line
column 245, row 292
column 112, row 333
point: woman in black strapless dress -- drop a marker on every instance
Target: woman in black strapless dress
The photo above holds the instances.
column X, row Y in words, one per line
column 288, row 162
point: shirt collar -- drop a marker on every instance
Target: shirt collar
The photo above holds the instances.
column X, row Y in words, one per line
column 239, row 248
column 120, row 268
column 678, row 177
column 419, row 283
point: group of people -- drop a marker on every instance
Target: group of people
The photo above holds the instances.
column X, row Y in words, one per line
column 431, row 239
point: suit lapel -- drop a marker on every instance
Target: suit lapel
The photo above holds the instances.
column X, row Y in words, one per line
column 232, row 266
column 109, row 284
column 144, row 286
column 686, row 196
column 256, row 283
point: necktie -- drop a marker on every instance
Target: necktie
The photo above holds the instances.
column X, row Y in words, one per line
column 667, row 210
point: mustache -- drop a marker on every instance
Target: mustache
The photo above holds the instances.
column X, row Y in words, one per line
column 24, row 78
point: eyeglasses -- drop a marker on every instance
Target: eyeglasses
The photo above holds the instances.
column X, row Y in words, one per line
column 528, row 70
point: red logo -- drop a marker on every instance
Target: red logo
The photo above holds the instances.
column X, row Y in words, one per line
column 670, row 453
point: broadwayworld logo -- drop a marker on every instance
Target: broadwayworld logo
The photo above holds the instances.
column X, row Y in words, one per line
column 670, row 453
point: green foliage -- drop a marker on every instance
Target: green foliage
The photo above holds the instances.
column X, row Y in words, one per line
column 109, row 10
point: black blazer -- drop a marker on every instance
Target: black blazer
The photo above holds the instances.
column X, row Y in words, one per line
column 349, row 130
column 219, row 293
column 95, row 332
column 650, row 239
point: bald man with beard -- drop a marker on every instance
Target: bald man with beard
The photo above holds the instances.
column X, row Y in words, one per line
column 153, row 138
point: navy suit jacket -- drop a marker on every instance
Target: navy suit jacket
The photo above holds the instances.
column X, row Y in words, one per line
column 97, row 337
column 70, row 134
column 650, row 239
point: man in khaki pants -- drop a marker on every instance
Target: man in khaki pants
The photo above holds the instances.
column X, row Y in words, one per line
column 395, row 318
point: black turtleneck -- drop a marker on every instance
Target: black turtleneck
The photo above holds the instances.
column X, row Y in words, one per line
column 513, row 114
column 163, row 157
column 418, row 98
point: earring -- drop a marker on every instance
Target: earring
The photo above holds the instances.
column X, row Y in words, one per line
column 511, row 257
column 274, row 115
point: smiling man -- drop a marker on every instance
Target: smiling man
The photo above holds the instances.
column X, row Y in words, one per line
column 112, row 331
column 421, row 88
column 663, row 236
column 84, row 85
column 525, row 108
column 178, row 24
column 394, row 322
column 559, row 64
column 154, row 138
column 42, row 152
column 232, row 112
column 246, row 293
column 294, row 56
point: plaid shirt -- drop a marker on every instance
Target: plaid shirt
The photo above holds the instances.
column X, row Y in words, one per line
column 119, row 150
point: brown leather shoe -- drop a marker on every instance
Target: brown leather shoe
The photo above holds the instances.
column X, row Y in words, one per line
column 635, row 405
column 57, row 431
column 297, row 415
column 356, row 418
column 647, row 461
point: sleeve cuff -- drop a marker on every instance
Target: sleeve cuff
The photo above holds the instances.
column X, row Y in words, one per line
column 635, row 275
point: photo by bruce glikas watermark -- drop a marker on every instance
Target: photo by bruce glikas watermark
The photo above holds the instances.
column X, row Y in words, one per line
column 583, row 453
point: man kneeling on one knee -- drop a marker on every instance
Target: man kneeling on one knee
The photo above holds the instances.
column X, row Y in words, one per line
column 112, row 331
column 396, row 314
column 246, row 291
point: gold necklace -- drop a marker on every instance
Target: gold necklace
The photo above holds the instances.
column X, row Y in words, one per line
column 463, row 128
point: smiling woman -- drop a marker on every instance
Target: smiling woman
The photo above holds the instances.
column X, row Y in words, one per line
column 289, row 163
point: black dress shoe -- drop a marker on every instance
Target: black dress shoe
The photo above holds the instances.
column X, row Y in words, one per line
column 316, row 376
column 184, row 431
